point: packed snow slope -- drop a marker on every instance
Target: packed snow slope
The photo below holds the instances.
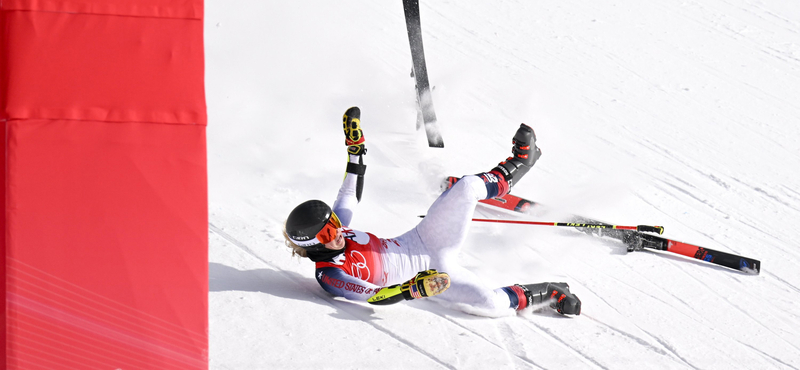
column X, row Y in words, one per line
column 676, row 113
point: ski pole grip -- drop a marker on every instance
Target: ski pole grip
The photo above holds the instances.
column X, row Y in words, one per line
column 650, row 229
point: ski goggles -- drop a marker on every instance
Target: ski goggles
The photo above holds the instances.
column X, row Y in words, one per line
column 328, row 232
column 325, row 235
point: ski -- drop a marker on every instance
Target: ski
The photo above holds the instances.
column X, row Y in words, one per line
column 736, row 262
column 634, row 240
column 420, row 73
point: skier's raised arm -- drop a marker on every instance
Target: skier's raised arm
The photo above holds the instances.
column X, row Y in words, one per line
column 353, row 184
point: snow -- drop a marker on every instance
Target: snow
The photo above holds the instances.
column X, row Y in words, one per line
column 682, row 114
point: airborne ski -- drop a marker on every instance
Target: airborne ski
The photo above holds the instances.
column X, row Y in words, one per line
column 420, row 72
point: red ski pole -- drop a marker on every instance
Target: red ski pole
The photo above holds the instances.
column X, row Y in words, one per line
column 645, row 228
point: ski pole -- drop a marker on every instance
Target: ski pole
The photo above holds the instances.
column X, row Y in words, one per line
column 645, row 228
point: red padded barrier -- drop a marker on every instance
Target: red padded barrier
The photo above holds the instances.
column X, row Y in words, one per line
column 106, row 68
column 3, row 279
column 189, row 9
column 105, row 248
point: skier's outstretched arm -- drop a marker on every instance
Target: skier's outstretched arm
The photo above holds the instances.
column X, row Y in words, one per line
column 338, row 283
column 424, row 284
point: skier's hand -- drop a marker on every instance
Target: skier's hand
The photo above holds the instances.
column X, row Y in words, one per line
column 427, row 283
column 353, row 135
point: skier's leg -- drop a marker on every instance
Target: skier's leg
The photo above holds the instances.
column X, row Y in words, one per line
column 446, row 224
column 469, row 294
column 445, row 227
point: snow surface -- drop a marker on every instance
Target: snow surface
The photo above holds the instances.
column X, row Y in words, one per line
column 676, row 113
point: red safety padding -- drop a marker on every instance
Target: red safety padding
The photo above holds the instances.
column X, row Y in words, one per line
column 103, row 68
column 106, row 244
column 190, row 9
column 105, row 251
column 2, row 237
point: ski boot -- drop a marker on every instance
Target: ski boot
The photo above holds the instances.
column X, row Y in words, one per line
column 561, row 299
column 353, row 136
column 524, row 155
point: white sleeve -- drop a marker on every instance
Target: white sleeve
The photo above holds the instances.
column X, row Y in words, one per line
column 346, row 200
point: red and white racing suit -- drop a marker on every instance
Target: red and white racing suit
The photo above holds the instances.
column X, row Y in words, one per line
column 369, row 262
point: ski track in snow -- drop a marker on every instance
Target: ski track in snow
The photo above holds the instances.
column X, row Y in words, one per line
column 667, row 350
column 504, row 347
column 687, row 306
column 783, row 281
column 504, row 330
column 748, row 315
column 584, row 357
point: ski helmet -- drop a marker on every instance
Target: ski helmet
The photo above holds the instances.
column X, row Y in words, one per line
column 305, row 221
